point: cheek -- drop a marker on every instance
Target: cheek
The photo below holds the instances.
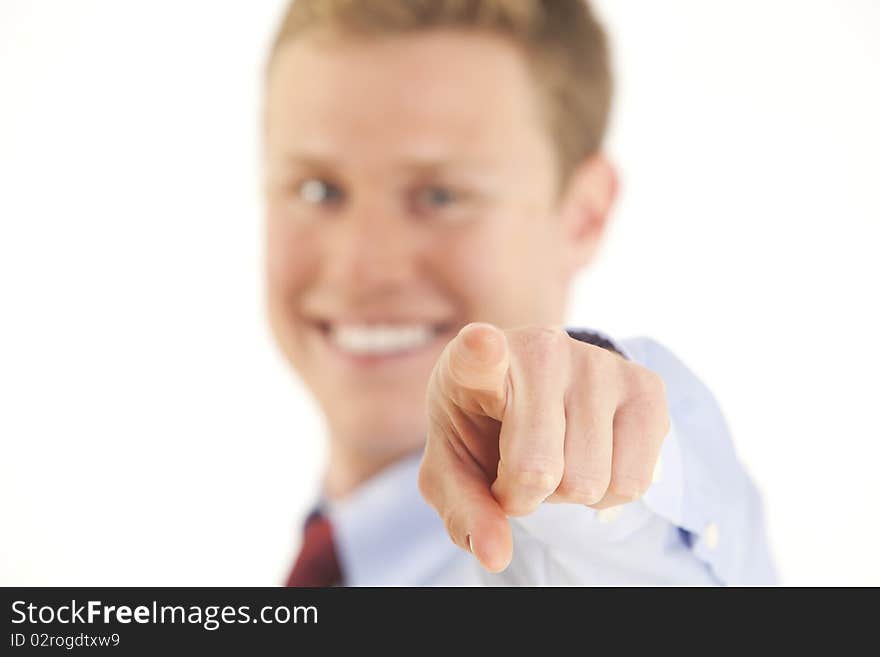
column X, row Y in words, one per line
column 291, row 253
column 468, row 269
column 476, row 265
column 503, row 270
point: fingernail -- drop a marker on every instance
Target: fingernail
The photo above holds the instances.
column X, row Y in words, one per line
column 470, row 544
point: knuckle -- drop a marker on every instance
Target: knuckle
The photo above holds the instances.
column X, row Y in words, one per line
column 657, row 384
column 629, row 488
column 582, row 488
column 649, row 384
column 536, row 476
column 545, row 341
column 519, row 504
column 600, row 360
column 428, row 486
column 647, row 406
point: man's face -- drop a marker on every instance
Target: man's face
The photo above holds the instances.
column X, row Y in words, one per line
column 411, row 189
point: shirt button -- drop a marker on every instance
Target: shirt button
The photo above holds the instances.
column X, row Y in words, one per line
column 712, row 535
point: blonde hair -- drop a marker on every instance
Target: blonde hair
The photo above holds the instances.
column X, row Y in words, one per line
column 563, row 44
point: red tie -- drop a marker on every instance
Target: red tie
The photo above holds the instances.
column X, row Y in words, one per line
column 316, row 564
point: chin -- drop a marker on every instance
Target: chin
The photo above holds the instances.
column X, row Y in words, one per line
column 377, row 428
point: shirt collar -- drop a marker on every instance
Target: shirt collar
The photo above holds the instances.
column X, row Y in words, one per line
column 386, row 534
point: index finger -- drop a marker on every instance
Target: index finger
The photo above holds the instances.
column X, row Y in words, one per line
column 473, row 370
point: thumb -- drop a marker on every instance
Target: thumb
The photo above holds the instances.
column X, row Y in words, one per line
column 459, row 491
column 475, row 369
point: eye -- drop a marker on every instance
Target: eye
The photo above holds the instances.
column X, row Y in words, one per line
column 317, row 191
column 435, row 197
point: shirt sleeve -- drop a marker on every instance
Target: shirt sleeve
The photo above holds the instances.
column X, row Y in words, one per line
column 709, row 495
column 701, row 521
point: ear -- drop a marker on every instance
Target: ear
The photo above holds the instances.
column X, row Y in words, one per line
column 584, row 208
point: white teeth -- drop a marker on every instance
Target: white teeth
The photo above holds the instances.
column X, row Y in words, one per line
column 380, row 338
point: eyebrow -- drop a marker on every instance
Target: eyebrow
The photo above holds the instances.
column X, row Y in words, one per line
column 420, row 164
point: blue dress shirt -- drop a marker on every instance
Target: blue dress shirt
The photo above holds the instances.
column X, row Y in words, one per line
column 700, row 522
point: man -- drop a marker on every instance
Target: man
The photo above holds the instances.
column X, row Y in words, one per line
column 434, row 181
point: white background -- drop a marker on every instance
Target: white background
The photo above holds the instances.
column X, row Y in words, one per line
column 150, row 434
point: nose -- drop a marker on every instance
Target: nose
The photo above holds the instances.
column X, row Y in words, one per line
column 371, row 248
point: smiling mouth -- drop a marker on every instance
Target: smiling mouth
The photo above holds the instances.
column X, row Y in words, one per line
column 381, row 339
